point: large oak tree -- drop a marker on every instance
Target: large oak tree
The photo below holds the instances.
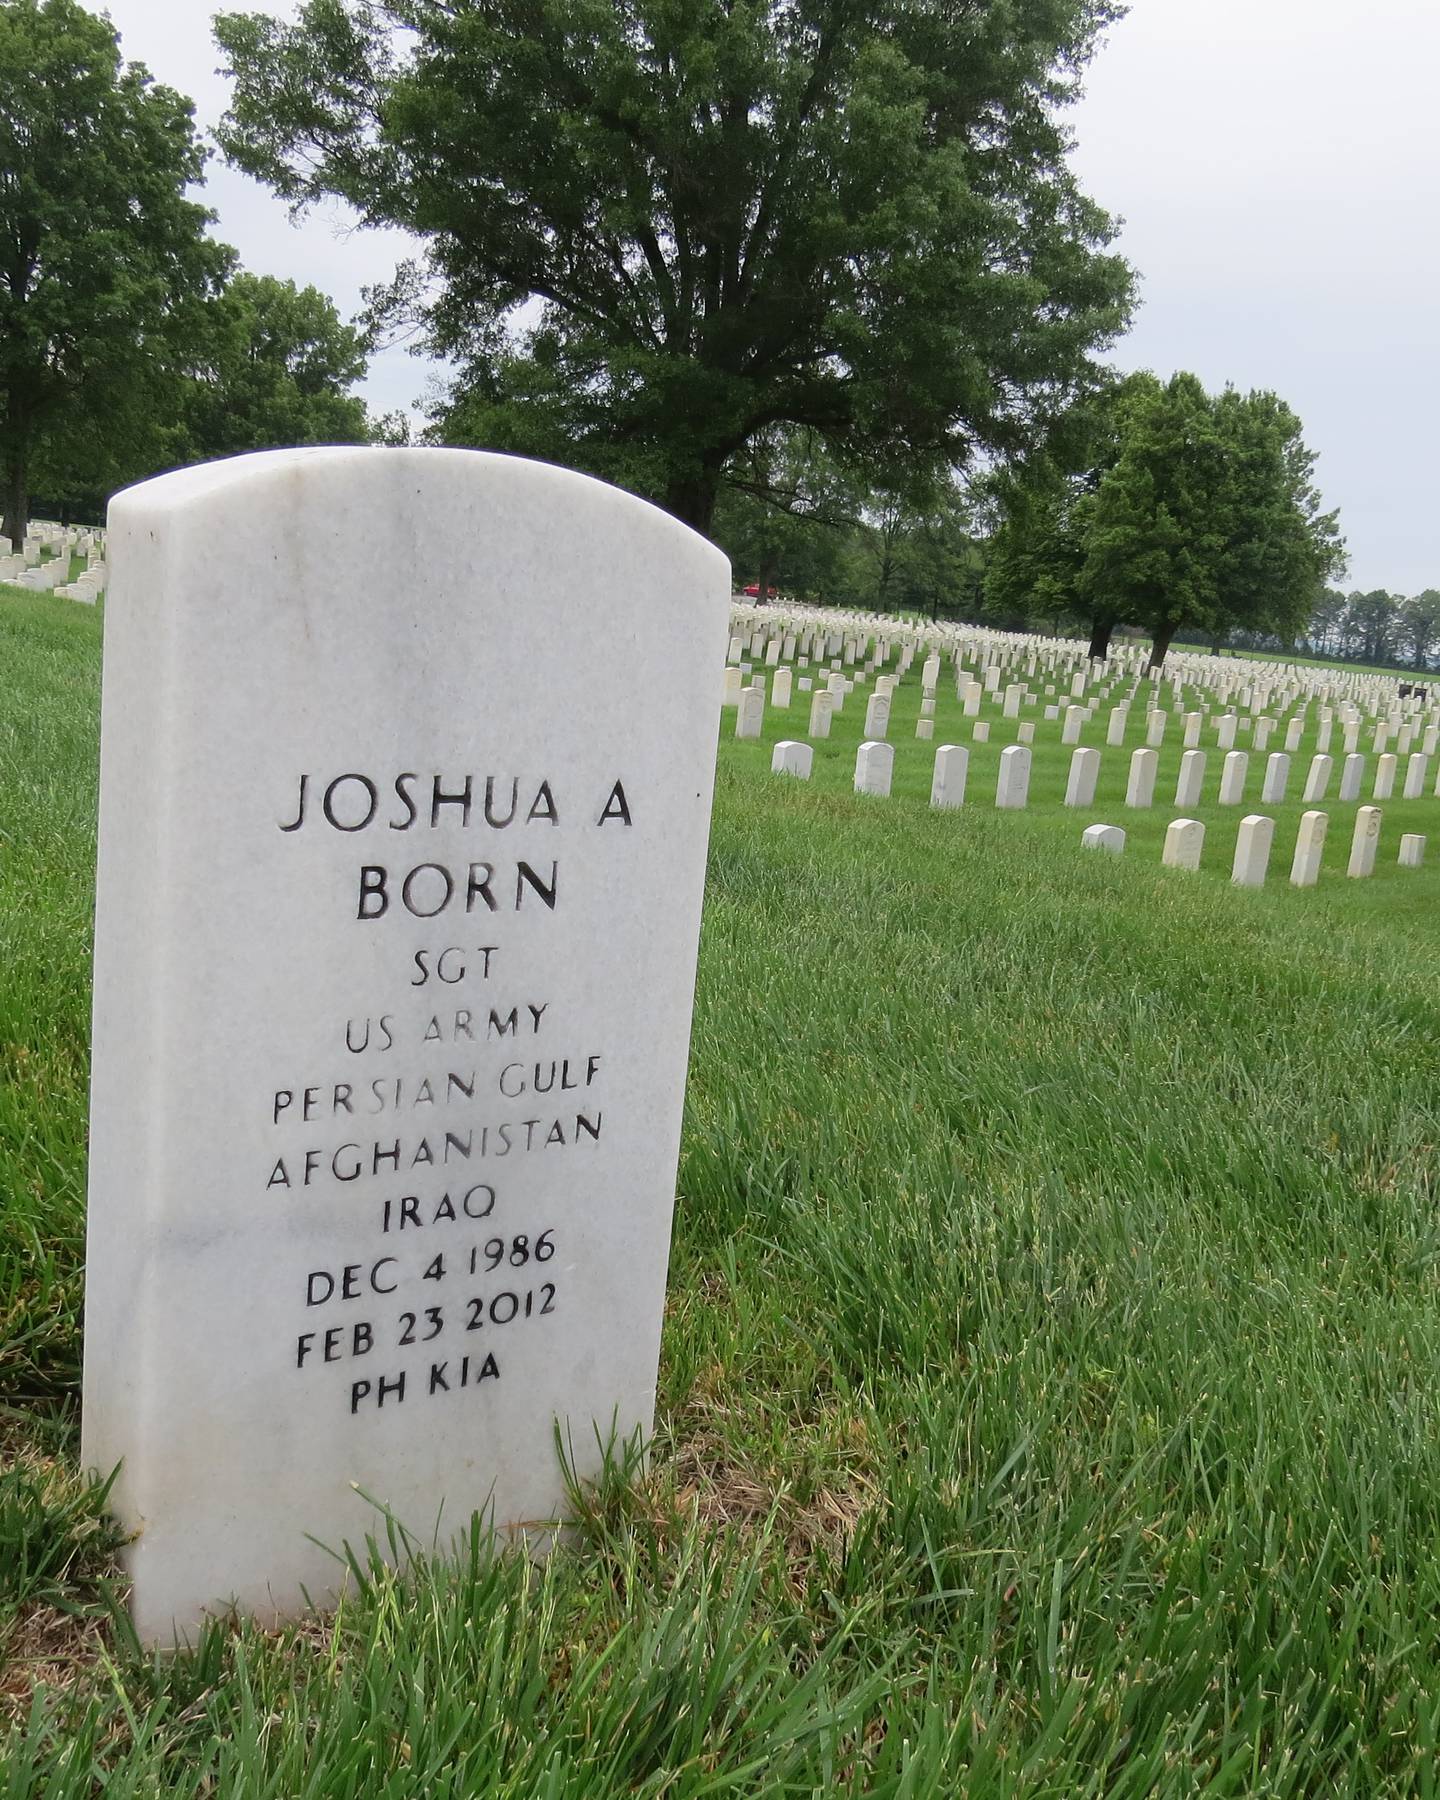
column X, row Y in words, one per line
column 104, row 261
column 655, row 229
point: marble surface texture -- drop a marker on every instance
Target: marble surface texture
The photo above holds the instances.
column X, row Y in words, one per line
column 398, row 906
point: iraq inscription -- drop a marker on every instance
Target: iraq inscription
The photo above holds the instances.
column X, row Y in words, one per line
column 397, row 913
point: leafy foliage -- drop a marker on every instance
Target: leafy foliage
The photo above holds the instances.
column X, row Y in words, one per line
column 275, row 369
column 655, row 230
column 1192, row 511
column 1376, row 627
column 104, row 261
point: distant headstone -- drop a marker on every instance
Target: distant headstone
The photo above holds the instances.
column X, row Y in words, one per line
column 750, row 713
column 1012, row 787
column 877, row 716
column 1184, row 841
column 792, row 758
column 947, row 788
column 1252, row 850
column 1412, row 850
column 396, row 929
column 1277, row 779
column 1191, row 778
column 1232, row 777
column 1365, row 842
column 874, row 761
column 1140, row 791
column 1309, row 847
column 1084, row 773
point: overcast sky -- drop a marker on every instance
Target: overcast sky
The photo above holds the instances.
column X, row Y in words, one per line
column 1276, row 166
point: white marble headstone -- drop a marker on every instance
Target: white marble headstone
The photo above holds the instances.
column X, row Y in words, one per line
column 395, row 950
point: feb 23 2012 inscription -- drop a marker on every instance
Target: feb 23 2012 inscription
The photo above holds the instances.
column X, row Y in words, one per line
column 406, row 770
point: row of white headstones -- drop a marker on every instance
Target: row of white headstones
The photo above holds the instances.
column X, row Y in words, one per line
column 1144, row 763
column 826, row 702
column 1355, row 699
column 873, row 773
column 1184, row 839
column 44, row 562
column 983, row 660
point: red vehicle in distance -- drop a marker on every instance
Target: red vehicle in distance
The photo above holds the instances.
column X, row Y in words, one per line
column 752, row 592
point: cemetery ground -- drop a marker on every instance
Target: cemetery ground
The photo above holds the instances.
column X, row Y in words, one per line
column 1048, row 1401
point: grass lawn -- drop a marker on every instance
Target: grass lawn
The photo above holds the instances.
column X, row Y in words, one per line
column 1050, row 1384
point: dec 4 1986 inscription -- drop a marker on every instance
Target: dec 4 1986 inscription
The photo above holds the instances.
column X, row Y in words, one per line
column 405, row 784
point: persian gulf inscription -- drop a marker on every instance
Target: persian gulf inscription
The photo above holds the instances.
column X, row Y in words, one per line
column 406, row 771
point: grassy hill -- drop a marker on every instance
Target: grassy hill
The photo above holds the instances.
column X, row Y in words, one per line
column 1049, row 1391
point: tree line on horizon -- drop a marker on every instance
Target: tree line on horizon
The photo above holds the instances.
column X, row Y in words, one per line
column 817, row 277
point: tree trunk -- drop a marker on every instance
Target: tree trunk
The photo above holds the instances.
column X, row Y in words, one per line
column 17, row 503
column 1101, row 631
column 767, row 570
column 692, row 499
column 1159, row 646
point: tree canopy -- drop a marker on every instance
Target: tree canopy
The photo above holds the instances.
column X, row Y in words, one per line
column 104, row 261
column 274, row 371
column 653, row 231
column 1193, row 512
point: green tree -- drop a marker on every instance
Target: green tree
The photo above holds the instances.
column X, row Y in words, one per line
column 1044, row 505
column 277, row 363
column 1419, row 624
column 655, row 230
column 938, row 561
column 1280, row 545
column 1209, row 518
column 1372, row 622
column 1153, row 538
column 785, row 512
column 1325, row 632
column 1035, row 557
column 104, row 262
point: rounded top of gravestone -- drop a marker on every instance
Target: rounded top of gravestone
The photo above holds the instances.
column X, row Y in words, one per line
column 302, row 467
